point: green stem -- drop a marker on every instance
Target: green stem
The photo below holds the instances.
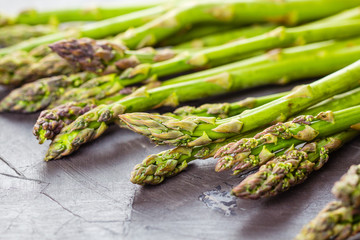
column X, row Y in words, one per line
column 34, row 17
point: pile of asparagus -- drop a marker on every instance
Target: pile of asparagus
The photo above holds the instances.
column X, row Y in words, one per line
column 120, row 62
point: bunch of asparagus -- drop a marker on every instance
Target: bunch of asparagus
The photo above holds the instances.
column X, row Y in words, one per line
column 122, row 63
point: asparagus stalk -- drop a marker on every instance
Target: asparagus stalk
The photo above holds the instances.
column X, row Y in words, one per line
column 193, row 32
column 249, row 153
column 99, row 29
column 225, row 110
column 21, row 67
column 335, row 221
column 339, row 219
column 347, row 188
column 87, row 60
column 37, row 95
column 94, row 123
column 226, row 37
column 35, row 17
column 51, row 122
column 153, row 171
column 338, row 102
column 291, row 168
column 11, row 35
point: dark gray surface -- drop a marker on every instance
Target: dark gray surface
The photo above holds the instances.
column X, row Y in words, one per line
column 88, row 195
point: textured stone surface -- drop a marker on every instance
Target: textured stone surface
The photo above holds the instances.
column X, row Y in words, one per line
column 88, row 195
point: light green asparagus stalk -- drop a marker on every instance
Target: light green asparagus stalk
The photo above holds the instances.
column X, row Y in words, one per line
column 339, row 219
column 11, row 35
column 338, row 102
column 87, row 60
column 38, row 95
column 193, row 32
column 226, row 37
column 35, row 17
column 153, row 171
column 167, row 130
column 52, row 121
column 95, row 30
column 291, row 168
column 225, row 110
column 249, row 153
column 292, row 63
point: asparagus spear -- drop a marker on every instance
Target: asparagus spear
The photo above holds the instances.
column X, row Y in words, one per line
column 339, row 219
column 37, row 95
column 35, row 17
column 153, row 171
column 193, row 32
column 226, row 37
column 224, row 110
column 291, row 168
column 87, row 59
column 94, row 123
column 335, row 221
column 51, row 122
column 21, row 67
column 249, row 153
column 11, row 35
column 99, row 29
column 347, row 189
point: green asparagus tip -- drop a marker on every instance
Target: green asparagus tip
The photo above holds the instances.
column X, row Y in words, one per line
column 55, row 151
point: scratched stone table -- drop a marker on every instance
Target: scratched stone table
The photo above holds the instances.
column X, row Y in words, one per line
column 88, row 195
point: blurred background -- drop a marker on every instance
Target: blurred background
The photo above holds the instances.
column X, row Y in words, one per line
column 14, row 6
